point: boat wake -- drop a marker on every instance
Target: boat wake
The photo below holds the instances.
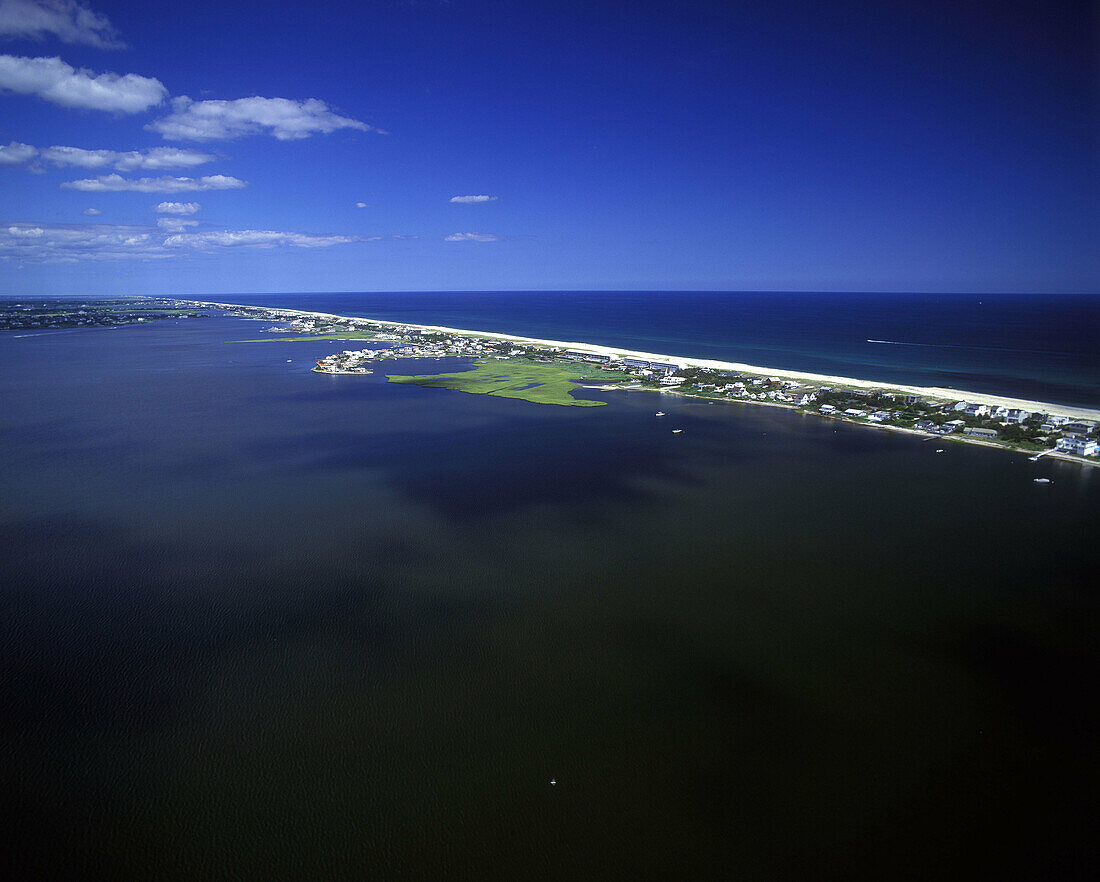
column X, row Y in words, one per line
column 971, row 348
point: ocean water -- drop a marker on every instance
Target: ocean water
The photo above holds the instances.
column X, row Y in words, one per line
column 260, row 623
column 1037, row 347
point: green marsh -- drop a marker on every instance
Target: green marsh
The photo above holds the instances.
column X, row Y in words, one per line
column 537, row 382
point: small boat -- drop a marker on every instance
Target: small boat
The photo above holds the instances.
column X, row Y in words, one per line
column 288, row 361
column 677, row 431
column 1043, row 481
column 659, row 413
column 939, row 450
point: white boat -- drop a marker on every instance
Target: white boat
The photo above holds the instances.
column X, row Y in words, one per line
column 939, row 450
column 677, row 431
column 659, row 413
column 1043, row 481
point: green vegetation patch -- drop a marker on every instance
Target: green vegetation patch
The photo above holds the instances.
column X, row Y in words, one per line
column 537, row 382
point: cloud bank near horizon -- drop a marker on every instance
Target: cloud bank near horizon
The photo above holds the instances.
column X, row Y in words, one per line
column 72, row 243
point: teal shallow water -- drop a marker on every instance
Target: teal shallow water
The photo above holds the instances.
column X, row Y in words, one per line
column 259, row 622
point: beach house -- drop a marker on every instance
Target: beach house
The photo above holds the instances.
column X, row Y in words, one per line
column 1078, row 445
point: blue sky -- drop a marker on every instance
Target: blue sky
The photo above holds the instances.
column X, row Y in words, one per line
column 891, row 146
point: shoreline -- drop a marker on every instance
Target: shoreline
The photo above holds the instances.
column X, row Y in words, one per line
column 1058, row 455
column 936, row 392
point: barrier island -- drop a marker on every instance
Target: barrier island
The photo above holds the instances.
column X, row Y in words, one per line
column 548, row 372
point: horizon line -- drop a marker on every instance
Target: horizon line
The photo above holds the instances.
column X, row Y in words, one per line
column 510, row 290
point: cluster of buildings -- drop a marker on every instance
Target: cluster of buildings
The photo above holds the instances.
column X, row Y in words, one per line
column 638, row 366
column 412, row 342
column 993, row 411
column 346, row 362
column 1074, row 436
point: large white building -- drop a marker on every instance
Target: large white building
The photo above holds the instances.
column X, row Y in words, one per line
column 1079, row 445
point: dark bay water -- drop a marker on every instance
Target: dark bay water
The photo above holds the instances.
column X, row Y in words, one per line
column 1036, row 347
column 260, row 623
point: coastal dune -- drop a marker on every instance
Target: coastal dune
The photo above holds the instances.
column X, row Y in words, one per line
column 936, row 392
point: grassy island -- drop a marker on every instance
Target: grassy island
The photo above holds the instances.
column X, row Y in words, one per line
column 537, row 382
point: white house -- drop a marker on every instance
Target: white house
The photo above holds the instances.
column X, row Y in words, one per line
column 1078, row 445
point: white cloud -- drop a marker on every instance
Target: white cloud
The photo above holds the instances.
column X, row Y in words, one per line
column 154, row 159
column 360, row 204
column 470, row 200
column 283, row 118
column 70, row 243
column 71, row 22
column 162, row 157
column 177, row 207
column 253, row 239
column 91, row 212
column 470, row 237
column 175, row 224
column 53, row 80
column 16, row 153
column 163, row 184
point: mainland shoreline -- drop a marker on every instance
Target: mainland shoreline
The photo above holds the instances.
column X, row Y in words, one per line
column 946, row 394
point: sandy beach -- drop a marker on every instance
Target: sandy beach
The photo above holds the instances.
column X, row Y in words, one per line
column 935, row 392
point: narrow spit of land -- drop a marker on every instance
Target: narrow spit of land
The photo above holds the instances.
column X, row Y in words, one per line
column 548, row 371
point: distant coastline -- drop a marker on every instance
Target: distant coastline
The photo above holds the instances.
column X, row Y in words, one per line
column 940, row 393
